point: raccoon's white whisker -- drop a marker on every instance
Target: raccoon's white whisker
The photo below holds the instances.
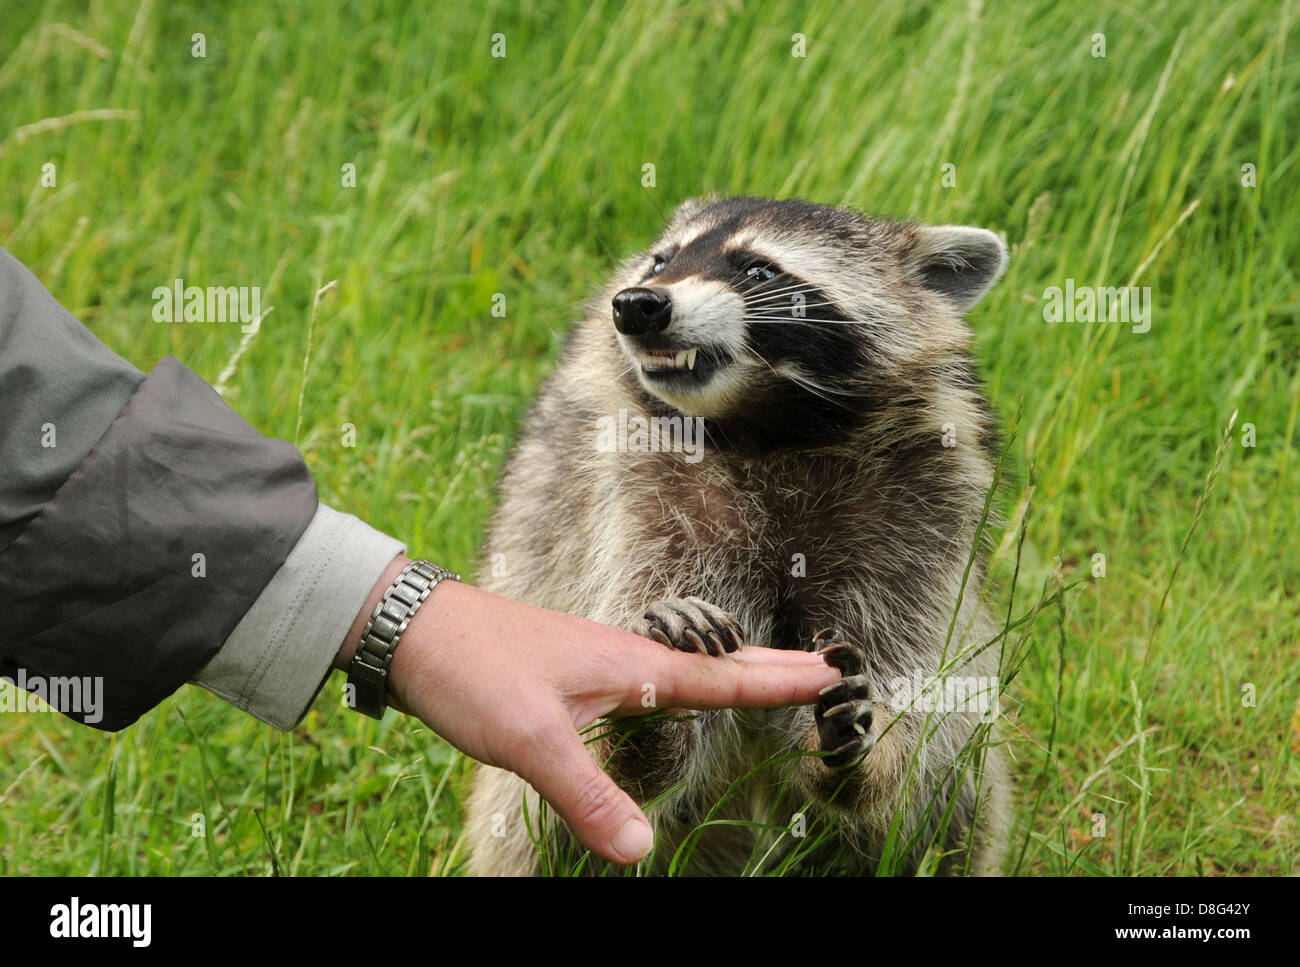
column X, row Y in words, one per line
column 806, row 383
column 754, row 353
column 784, row 287
column 793, row 321
column 767, row 295
column 781, row 302
column 771, row 311
column 817, row 389
column 823, row 322
column 786, row 321
column 813, row 323
column 717, row 297
column 766, row 298
column 769, row 298
column 739, row 277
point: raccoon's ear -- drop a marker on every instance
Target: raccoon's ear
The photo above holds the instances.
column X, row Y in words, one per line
column 957, row 262
column 690, row 208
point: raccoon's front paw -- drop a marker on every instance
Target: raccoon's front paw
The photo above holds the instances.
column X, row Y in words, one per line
column 843, row 712
column 689, row 624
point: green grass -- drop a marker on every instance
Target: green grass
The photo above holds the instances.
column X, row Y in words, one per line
column 522, row 176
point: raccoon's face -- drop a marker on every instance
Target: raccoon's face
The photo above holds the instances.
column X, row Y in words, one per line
column 748, row 309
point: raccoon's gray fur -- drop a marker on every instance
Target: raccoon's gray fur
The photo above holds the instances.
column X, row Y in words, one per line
column 846, row 464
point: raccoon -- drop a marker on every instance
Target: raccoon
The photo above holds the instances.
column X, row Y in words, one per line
column 836, row 504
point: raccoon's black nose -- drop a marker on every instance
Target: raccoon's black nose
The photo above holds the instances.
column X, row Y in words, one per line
column 639, row 311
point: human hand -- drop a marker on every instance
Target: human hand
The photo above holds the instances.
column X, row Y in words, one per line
column 511, row 685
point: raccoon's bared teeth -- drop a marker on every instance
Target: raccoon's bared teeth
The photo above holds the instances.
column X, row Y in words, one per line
column 669, row 359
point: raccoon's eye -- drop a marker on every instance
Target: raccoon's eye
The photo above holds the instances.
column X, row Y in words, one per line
column 760, row 271
column 660, row 264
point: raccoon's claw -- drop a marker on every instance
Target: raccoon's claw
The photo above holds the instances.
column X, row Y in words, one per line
column 656, row 635
column 839, row 654
column 843, row 712
column 850, row 752
column 843, row 708
column 693, row 625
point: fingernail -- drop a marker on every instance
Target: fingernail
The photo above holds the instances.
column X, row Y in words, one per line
column 634, row 840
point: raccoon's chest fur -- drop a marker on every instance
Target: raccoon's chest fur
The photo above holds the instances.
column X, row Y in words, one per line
column 783, row 544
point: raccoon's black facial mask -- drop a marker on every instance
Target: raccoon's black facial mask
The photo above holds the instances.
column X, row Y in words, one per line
column 718, row 331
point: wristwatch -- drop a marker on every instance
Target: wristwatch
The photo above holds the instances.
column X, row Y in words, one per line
column 368, row 673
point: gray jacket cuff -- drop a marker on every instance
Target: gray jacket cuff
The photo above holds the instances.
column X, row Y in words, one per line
column 279, row 655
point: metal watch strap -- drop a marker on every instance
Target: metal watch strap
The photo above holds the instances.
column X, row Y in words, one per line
column 368, row 673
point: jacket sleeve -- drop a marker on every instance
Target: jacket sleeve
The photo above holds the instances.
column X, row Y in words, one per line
column 281, row 652
column 149, row 535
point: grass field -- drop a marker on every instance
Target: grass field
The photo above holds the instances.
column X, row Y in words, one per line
column 1164, row 696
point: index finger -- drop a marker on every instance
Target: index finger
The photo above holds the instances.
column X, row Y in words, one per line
column 757, row 680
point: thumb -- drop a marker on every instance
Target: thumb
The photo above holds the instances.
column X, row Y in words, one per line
column 600, row 814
